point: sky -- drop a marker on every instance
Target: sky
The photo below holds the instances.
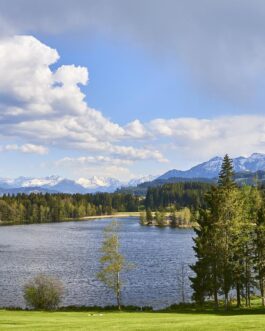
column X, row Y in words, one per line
column 124, row 89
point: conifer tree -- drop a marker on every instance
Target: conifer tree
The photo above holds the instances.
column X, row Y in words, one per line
column 206, row 281
column 226, row 176
column 204, row 266
column 260, row 252
column 214, row 242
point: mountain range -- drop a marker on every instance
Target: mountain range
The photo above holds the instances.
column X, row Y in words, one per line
column 205, row 171
column 55, row 184
column 211, row 168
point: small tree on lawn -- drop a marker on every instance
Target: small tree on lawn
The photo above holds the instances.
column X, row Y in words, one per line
column 182, row 278
column 112, row 262
column 43, row 292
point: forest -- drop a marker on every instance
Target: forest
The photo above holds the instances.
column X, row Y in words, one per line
column 179, row 195
column 40, row 208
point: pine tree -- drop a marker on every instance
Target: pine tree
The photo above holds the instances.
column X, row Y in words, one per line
column 200, row 282
column 214, row 241
column 227, row 214
column 206, row 281
column 226, row 176
column 260, row 252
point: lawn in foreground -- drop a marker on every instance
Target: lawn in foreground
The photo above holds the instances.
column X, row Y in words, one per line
column 64, row 321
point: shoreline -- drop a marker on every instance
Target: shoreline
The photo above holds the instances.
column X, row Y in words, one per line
column 119, row 215
column 80, row 219
column 95, row 217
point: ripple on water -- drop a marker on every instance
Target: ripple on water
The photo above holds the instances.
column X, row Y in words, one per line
column 70, row 251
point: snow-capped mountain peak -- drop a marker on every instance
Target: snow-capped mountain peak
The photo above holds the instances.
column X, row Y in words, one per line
column 211, row 168
column 98, row 181
column 137, row 181
column 38, row 182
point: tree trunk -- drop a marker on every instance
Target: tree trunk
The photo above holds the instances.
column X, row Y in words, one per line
column 215, row 290
column 226, row 301
column 238, row 298
column 118, row 293
column 183, row 283
column 249, row 303
column 216, row 299
column 262, row 292
column 246, row 282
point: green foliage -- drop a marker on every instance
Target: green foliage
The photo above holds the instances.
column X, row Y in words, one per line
column 260, row 251
column 112, row 262
column 160, row 219
column 149, row 216
column 227, row 239
column 226, row 176
column 143, row 218
column 177, row 195
column 38, row 208
column 43, row 292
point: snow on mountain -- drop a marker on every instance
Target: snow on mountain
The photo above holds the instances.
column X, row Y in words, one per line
column 137, row 181
column 96, row 181
column 59, row 184
column 29, row 182
column 50, row 181
column 211, row 168
column 255, row 162
column 207, row 169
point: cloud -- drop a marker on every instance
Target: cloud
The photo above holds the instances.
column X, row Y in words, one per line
column 202, row 138
column 136, row 129
column 221, row 43
column 46, row 107
column 113, row 171
column 26, row 148
column 96, row 165
column 91, row 160
column 43, row 108
column 28, row 86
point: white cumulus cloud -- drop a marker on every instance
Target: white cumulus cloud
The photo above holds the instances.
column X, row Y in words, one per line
column 46, row 107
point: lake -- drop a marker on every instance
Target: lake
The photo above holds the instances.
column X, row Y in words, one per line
column 70, row 251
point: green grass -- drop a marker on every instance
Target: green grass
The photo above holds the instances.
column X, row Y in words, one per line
column 152, row 321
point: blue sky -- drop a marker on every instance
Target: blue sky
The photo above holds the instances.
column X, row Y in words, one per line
column 168, row 86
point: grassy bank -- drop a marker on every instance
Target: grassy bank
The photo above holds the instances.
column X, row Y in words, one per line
column 124, row 321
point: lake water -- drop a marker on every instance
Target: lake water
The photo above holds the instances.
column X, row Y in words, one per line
column 70, row 251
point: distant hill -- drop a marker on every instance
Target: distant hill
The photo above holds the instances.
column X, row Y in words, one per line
column 248, row 178
column 211, row 168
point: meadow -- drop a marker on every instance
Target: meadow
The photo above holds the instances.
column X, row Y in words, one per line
column 126, row 321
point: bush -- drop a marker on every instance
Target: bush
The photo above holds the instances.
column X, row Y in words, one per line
column 43, row 292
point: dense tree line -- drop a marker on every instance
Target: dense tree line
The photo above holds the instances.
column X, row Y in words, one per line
column 38, row 208
column 230, row 242
column 178, row 195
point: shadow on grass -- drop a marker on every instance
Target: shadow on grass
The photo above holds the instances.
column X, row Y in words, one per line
column 188, row 308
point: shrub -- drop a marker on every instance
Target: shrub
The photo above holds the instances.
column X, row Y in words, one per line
column 43, row 292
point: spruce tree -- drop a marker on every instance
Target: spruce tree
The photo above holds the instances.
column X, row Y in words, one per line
column 260, row 252
column 226, row 176
column 205, row 281
column 214, row 241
